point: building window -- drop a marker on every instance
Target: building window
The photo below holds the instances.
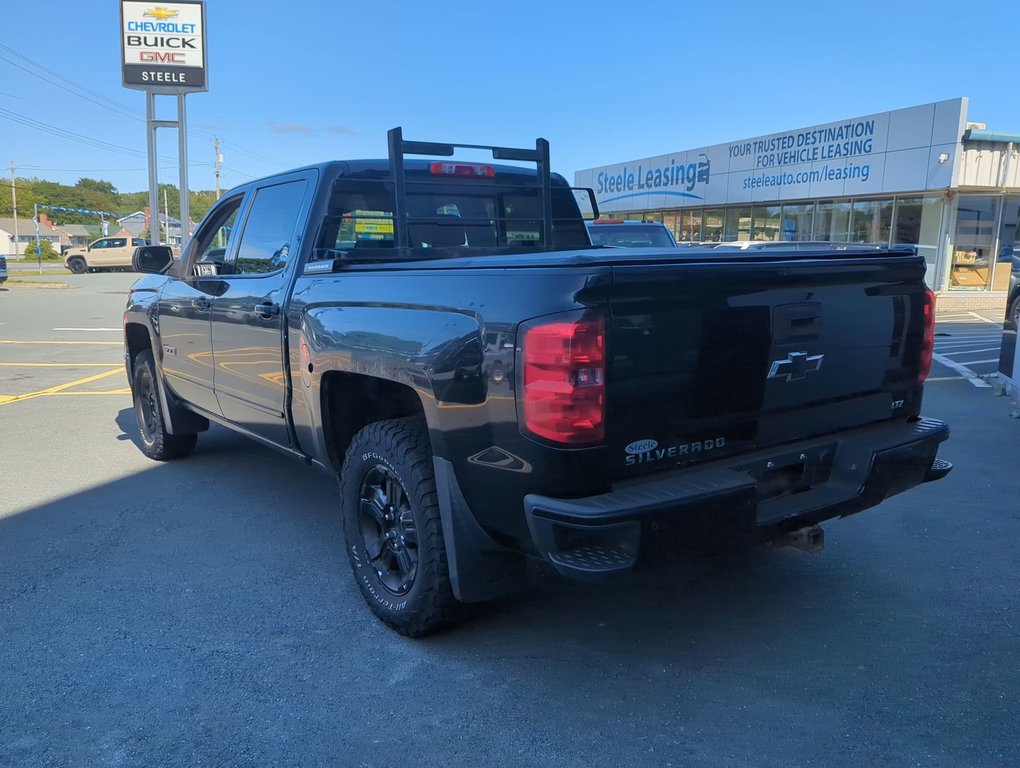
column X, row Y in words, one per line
column 712, row 228
column 832, row 221
column 917, row 222
column 796, row 222
column 690, row 227
column 671, row 220
column 765, row 222
column 738, row 224
column 1003, row 266
column 976, row 220
column 871, row 221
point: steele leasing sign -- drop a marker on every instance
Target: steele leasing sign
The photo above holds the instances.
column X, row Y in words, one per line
column 902, row 151
column 163, row 46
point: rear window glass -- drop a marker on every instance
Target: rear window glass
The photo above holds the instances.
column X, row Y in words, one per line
column 629, row 236
column 454, row 217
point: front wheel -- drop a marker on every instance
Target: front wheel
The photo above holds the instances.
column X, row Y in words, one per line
column 157, row 443
column 77, row 265
column 391, row 522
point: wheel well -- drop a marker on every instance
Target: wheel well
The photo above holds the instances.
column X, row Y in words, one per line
column 137, row 340
column 352, row 401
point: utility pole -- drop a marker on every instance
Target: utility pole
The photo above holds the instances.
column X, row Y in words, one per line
column 216, row 165
column 14, row 205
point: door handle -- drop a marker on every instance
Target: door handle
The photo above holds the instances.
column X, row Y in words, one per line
column 267, row 310
column 200, row 303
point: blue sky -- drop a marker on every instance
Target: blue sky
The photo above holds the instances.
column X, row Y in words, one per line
column 305, row 81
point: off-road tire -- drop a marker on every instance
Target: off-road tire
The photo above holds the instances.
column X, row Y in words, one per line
column 397, row 449
column 1013, row 314
column 77, row 265
column 156, row 442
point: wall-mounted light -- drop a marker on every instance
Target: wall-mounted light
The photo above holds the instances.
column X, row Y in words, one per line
column 943, row 157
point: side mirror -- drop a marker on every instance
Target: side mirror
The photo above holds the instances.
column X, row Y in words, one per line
column 152, row 258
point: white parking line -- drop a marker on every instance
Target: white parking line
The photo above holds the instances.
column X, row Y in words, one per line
column 963, row 370
column 979, row 362
column 985, row 319
column 971, row 351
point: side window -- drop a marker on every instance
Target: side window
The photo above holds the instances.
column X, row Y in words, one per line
column 137, row 241
column 212, row 240
column 266, row 240
column 119, row 242
column 100, row 244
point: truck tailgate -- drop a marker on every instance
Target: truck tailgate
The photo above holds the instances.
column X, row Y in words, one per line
column 738, row 353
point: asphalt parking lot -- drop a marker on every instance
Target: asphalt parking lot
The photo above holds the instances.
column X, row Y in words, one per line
column 202, row 613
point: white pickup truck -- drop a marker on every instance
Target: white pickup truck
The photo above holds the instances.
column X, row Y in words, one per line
column 105, row 253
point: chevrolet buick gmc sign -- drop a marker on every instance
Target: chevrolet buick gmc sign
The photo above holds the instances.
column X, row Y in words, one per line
column 163, row 46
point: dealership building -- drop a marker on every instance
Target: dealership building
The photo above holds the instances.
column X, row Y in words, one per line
column 922, row 176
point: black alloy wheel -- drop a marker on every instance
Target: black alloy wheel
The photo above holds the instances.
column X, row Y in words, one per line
column 157, row 442
column 393, row 527
column 388, row 530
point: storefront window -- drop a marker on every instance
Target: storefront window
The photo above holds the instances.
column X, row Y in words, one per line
column 796, row 222
column 1007, row 237
column 765, row 222
column 871, row 221
column 738, row 224
column 832, row 221
column 918, row 222
column 712, row 230
column 690, row 225
column 671, row 220
column 976, row 219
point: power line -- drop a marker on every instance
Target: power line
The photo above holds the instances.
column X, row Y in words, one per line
column 99, row 99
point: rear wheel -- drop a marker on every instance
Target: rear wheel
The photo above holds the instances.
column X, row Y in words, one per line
column 77, row 265
column 393, row 530
column 157, row 443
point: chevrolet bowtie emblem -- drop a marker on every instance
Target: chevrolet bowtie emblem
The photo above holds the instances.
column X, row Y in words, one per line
column 796, row 366
column 161, row 13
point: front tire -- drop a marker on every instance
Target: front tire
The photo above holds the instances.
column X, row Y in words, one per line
column 77, row 265
column 157, row 443
column 392, row 525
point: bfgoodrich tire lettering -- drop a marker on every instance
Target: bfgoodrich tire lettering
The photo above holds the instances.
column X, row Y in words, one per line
column 392, row 526
column 156, row 442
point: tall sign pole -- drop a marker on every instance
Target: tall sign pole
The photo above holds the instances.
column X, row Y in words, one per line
column 164, row 54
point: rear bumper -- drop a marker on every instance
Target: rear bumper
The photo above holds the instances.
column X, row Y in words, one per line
column 760, row 494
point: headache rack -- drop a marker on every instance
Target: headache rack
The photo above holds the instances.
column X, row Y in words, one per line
column 399, row 147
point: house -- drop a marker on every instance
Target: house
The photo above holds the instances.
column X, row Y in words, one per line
column 25, row 245
column 76, row 234
column 138, row 222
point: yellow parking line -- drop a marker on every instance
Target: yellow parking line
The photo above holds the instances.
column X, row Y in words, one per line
column 60, row 387
column 125, row 391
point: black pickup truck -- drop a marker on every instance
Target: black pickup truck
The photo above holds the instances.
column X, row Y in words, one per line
column 488, row 387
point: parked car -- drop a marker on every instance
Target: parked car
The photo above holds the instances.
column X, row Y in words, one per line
column 628, row 233
column 1013, row 302
column 104, row 253
column 3, row 269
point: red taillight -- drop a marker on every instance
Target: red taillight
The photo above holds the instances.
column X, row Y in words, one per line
column 928, row 344
column 471, row 170
column 564, row 387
